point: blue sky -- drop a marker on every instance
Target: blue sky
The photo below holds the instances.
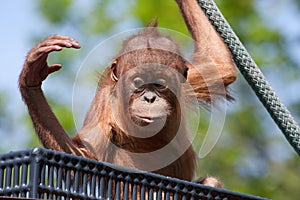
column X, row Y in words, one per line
column 17, row 20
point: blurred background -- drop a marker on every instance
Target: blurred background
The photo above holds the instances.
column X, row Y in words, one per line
column 251, row 156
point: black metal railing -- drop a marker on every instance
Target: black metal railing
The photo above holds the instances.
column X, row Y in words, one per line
column 46, row 174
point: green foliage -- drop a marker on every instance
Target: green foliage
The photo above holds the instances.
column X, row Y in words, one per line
column 2, row 114
column 2, row 104
column 166, row 12
column 253, row 31
column 297, row 2
column 56, row 11
column 34, row 140
column 64, row 115
column 99, row 19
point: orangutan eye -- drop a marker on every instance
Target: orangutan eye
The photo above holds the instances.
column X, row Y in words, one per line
column 160, row 83
column 138, row 82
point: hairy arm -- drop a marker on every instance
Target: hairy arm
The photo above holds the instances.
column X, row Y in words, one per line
column 212, row 61
column 207, row 40
column 35, row 70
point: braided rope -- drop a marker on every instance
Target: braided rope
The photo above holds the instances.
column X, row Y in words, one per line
column 253, row 75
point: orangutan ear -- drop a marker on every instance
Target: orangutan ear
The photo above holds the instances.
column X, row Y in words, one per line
column 185, row 73
column 113, row 68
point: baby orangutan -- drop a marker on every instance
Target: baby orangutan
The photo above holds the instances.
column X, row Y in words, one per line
column 136, row 110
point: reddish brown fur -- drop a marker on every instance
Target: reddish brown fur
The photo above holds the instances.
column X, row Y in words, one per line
column 97, row 117
column 100, row 133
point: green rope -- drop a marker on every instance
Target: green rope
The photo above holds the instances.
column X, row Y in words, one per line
column 253, row 75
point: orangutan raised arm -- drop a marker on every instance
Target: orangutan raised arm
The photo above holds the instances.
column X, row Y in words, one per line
column 137, row 108
column 210, row 50
column 35, row 70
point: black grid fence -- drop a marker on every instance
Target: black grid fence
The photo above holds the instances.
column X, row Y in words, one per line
column 46, row 174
